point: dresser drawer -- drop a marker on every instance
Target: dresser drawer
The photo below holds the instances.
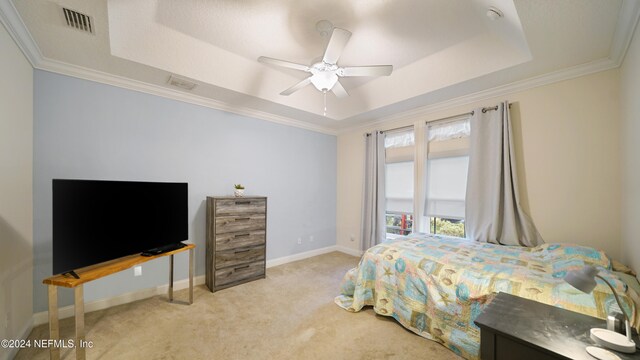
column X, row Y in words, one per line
column 236, row 240
column 240, row 206
column 243, row 223
column 239, row 273
column 235, row 257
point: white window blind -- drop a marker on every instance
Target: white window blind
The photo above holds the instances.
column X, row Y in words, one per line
column 399, row 187
column 447, row 165
column 446, row 187
column 399, row 146
column 399, row 154
column 449, row 130
column 399, row 139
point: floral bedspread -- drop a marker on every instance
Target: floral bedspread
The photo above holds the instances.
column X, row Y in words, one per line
column 437, row 286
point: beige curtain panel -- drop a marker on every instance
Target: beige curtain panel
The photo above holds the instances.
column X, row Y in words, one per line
column 373, row 199
column 493, row 213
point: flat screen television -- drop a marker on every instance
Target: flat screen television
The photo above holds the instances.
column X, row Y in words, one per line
column 98, row 220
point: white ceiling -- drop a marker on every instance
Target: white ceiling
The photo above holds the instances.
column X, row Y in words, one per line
column 440, row 49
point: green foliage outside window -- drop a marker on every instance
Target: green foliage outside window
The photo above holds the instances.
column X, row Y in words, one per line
column 447, row 227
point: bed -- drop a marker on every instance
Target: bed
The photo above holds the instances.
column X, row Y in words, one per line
column 436, row 286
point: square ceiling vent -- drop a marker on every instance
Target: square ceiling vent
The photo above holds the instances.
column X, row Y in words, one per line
column 78, row 20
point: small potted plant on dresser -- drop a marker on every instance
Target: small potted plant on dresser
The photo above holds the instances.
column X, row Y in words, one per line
column 239, row 190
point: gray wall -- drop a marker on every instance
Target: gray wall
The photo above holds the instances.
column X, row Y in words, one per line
column 87, row 130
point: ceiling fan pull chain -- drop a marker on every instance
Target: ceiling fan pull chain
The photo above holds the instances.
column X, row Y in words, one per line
column 325, row 101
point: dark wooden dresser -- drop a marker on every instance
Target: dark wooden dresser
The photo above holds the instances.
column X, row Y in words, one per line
column 512, row 327
column 236, row 240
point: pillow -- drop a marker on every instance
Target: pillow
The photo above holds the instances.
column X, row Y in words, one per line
column 587, row 255
column 620, row 267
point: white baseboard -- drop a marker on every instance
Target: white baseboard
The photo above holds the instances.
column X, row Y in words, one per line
column 349, row 251
column 300, row 256
column 68, row 311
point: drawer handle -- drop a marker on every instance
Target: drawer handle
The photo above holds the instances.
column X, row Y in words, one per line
column 240, row 267
column 242, row 219
column 241, row 235
column 241, row 251
column 243, row 202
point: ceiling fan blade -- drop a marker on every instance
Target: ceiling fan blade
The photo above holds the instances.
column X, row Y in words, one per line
column 374, row 70
column 287, row 64
column 339, row 39
column 297, row 87
column 339, row 90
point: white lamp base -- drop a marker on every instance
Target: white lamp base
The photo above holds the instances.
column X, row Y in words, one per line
column 613, row 340
column 602, row 354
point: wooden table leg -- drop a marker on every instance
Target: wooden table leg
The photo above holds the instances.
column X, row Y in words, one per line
column 191, row 276
column 171, row 278
column 54, row 330
column 79, row 307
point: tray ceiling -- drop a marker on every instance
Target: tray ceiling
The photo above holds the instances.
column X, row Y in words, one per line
column 440, row 50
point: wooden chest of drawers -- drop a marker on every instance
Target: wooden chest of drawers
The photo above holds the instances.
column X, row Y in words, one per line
column 236, row 240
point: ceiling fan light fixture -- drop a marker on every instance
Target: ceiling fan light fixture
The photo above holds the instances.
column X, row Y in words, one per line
column 325, row 73
column 325, row 80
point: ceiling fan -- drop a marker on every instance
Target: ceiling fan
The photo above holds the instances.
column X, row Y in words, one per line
column 325, row 74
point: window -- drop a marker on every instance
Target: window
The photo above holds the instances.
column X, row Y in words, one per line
column 399, row 182
column 398, row 223
column 446, row 177
column 440, row 191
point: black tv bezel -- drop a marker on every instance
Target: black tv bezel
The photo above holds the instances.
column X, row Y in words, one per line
column 63, row 269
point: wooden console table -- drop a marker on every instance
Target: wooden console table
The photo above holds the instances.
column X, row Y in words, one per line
column 94, row 272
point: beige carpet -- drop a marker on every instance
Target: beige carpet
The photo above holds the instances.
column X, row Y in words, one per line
column 288, row 315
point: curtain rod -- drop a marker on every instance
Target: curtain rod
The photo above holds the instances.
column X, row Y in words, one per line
column 391, row 130
column 470, row 113
column 397, row 129
column 484, row 110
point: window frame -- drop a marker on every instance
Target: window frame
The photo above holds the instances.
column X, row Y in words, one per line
column 402, row 151
column 443, row 147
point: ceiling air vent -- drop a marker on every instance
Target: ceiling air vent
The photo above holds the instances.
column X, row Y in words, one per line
column 78, row 20
column 181, row 83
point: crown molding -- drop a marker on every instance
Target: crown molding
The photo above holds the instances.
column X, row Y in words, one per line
column 12, row 21
column 59, row 67
column 628, row 19
column 140, row 86
column 629, row 16
column 518, row 86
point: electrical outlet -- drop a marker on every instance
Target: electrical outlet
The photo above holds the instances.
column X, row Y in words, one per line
column 137, row 271
column 299, row 241
column 311, row 238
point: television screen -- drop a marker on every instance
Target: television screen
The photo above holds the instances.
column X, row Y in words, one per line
column 95, row 220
